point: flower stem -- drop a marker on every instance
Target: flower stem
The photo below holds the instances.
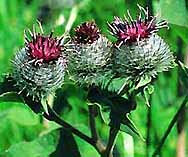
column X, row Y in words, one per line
column 99, row 146
column 111, row 142
column 148, row 128
column 92, row 123
column 53, row 116
column 173, row 121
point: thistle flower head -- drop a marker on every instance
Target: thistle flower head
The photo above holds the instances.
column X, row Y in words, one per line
column 44, row 48
column 129, row 30
column 91, row 55
column 39, row 67
column 139, row 51
column 87, row 33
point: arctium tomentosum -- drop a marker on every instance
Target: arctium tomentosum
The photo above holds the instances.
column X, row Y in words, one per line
column 90, row 56
column 139, row 51
column 39, row 66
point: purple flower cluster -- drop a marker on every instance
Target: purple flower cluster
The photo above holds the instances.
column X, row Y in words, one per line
column 90, row 57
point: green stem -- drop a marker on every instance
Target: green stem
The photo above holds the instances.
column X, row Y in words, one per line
column 167, row 132
column 111, row 142
column 92, row 123
column 53, row 116
column 148, row 129
column 99, row 146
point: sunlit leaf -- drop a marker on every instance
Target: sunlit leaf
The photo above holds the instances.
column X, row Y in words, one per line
column 22, row 115
column 40, row 147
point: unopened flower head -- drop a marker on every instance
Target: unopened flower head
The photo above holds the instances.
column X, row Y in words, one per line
column 139, row 51
column 91, row 55
column 86, row 33
column 39, row 67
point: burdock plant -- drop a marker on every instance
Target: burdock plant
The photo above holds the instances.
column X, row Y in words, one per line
column 138, row 55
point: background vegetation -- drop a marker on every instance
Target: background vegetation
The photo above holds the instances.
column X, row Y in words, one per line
column 23, row 133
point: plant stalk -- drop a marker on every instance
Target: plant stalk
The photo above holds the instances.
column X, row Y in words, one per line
column 53, row 116
column 172, row 123
column 92, row 123
column 99, row 146
column 148, row 129
column 111, row 142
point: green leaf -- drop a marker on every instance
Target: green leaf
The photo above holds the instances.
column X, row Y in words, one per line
column 184, row 68
column 150, row 89
column 18, row 123
column 146, row 96
column 174, row 12
column 105, row 114
column 183, row 76
column 86, row 150
column 130, row 128
column 10, row 97
column 143, row 81
column 66, row 145
column 22, row 115
column 119, row 109
column 40, row 147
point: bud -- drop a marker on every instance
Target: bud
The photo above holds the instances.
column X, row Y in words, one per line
column 39, row 67
column 139, row 51
column 91, row 56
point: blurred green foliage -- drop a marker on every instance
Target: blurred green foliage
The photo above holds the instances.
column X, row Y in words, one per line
column 22, row 133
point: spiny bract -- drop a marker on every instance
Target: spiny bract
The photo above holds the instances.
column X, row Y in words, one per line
column 91, row 56
column 39, row 67
column 145, row 58
column 139, row 51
